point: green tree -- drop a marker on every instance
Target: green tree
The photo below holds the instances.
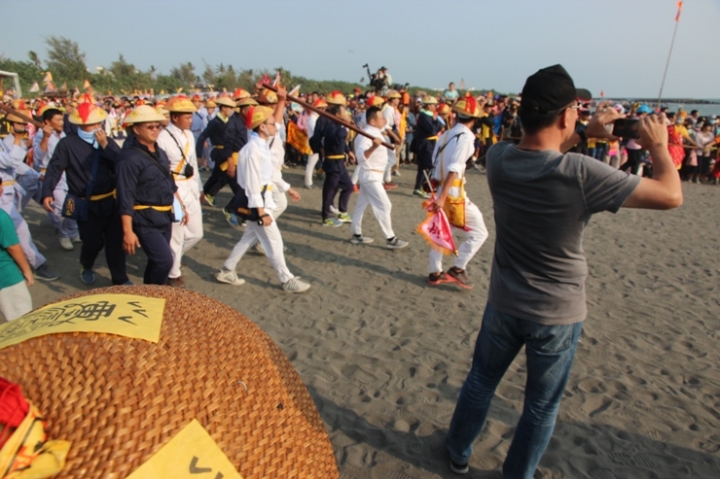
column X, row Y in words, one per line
column 185, row 73
column 34, row 58
column 65, row 60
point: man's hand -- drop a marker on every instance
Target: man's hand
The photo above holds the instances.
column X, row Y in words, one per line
column 282, row 93
column 48, row 203
column 130, row 242
column 439, row 203
column 185, row 217
column 604, row 115
column 293, row 194
column 47, row 131
column 29, row 277
column 377, row 141
column 351, row 157
column 653, row 132
column 101, row 138
column 17, row 139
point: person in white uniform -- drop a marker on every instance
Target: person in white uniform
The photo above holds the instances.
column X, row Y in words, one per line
column 255, row 177
column 44, row 145
column 178, row 142
column 320, row 104
column 451, row 153
column 10, row 159
column 389, row 112
column 27, row 179
column 372, row 157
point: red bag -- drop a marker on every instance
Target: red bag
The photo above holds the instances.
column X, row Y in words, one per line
column 13, row 409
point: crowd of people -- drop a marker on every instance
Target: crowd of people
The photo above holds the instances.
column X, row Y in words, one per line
column 123, row 173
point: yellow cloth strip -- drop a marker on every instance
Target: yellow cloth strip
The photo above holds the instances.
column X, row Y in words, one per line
column 156, row 208
column 103, row 196
column 335, row 157
column 432, row 138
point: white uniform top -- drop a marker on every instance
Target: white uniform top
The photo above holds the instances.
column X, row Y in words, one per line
column 378, row 159
column 255, row 171
column 277, row 155
column 310, row 125
column 42, row 158
column 189, row 189
column 11, row 158
column 460, row 147
column 388, row 113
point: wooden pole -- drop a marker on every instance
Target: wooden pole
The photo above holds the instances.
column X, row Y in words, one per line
column 12, row 111
column 667, row 64
column 330, row 116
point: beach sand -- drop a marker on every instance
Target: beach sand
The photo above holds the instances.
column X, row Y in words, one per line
column 384, row 355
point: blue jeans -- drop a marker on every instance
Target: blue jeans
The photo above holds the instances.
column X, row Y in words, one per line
column 550, row 351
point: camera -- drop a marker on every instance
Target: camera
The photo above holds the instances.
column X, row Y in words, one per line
column 188, row 171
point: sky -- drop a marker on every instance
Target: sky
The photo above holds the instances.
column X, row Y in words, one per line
column 616, row 46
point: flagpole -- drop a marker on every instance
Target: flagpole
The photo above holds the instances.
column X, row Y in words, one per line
column 667, row 64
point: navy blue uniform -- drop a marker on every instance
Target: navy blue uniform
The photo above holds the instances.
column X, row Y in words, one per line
column 215, row 132
column 103, row 227
column 144, row 180
column 427, row 127
column 334, row 149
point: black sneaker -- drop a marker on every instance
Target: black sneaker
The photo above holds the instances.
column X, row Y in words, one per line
column 459, row 468
column 44, row 273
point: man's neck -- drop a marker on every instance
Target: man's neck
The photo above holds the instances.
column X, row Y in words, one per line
column 149, row 145
column 176, row 127
column 542, row 141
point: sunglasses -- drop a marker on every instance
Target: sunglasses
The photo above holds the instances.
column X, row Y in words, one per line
column 153, row 127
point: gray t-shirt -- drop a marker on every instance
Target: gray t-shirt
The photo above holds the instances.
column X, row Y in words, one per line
column 543, row 200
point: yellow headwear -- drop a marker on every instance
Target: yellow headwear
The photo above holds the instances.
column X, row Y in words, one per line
column 336, row 98
column 257, row 115
column 180, row 104
column 143, row 114
column 87, row 113
column 469, row 107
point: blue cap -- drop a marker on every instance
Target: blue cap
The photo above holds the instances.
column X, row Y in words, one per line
column 644, row 109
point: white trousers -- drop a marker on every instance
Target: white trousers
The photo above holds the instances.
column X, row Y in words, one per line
column 34, row 257
column 281, row 204
column 372, row 193
column 185, row 237
column 310, row 168
column 356, row 175
column 65, row 227
column 270, row 239
column 474, row 239
column 30, row 183
column 392, row 158
column 15, row 301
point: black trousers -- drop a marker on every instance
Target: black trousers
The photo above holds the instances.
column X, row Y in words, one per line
column 155, row 242
column 336, row 178
column 99, row 232
column 218, row 178
column 424, row 163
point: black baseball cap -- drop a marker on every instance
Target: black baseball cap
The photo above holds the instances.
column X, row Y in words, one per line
column 551, row 89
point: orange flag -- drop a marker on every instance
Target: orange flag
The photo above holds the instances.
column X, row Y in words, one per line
column 298, row 139
column 679, row 5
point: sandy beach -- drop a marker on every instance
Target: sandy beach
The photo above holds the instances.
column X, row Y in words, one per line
column 384, row 355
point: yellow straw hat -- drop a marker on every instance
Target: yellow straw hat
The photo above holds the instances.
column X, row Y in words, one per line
column 393, row 94
column 240, row 93
column 225, row 100
column 429, row 100
column 336, row 98
column 375, row 100
column 267, row 97
column 210, row 104
column 257, row 115
column 247, row 101
column 180, row 104
column 143, row 114
column 87, row 113
column 443, row 109
column 468, row 107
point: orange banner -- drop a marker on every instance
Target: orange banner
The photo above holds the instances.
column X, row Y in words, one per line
column 298, row 139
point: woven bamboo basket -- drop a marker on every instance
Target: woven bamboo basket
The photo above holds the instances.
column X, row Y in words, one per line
column 119, row 400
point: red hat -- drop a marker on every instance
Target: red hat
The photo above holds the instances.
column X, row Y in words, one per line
column 196, row 97
column 320, row 103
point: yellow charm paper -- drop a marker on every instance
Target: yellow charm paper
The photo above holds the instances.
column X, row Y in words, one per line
column 191, row 454
column 123, row 314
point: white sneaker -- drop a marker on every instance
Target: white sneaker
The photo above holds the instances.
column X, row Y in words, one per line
column 295, row 286
column 334, row 210
column 360, row 239
column 66, row 244
column 229, row 277
column 76, row 239
column 259, row 248
column 396, row 243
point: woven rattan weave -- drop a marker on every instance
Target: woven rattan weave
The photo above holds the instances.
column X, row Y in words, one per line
column 120, row 400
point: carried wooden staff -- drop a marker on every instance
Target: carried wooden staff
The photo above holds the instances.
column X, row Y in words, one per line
column 10, row 110
column 329, row 116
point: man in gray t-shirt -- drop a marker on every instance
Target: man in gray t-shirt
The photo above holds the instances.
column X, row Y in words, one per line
column 543, row 199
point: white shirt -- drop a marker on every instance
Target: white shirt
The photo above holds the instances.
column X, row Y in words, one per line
column 277, row 155
column 378, row 159
column 175, row 155
column 310, row 125
column 255, row 171
column 42, row 158
column 388, row 113
column 458, row 145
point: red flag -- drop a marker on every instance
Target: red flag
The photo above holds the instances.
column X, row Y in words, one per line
column 436, row 231
column 679, row 5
